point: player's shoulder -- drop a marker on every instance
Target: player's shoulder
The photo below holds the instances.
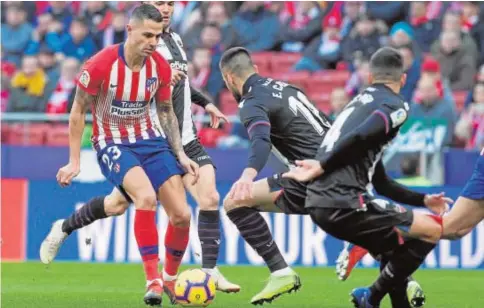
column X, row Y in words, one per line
column 104, row 58
column 160, row 61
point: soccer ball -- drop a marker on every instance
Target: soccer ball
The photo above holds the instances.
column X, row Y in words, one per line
column 194, row 288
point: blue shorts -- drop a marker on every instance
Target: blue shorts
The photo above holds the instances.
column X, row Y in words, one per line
column 474, row 188
column 153, row 155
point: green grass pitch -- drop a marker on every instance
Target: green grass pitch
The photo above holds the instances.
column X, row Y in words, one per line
column 121, row 285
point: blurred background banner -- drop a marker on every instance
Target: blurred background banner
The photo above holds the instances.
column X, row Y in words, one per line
column 112, row 239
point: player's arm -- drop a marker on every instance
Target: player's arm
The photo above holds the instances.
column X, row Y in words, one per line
column 386, row 186
column 199, row 98
column 256, row 120
column 168, row 119
column 77, row 121
column 376, row 126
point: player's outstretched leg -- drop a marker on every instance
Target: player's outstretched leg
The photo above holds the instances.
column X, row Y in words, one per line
column 255, row 231
column 404, row 261
column 173, row 198
column 352, row 254
column 96, row 208
column 205, row 194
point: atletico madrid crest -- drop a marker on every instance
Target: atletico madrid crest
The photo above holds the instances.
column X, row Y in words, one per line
column 151, row 84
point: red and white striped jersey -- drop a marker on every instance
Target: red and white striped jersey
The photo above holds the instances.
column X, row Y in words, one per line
column 121, row 112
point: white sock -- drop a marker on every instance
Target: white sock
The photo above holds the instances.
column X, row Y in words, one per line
column 283, row 272
column 167, row 277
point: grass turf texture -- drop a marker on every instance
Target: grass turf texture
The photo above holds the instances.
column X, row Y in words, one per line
column 122, row 285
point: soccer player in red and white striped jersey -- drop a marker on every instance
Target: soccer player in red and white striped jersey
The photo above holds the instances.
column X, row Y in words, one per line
column 133, row 152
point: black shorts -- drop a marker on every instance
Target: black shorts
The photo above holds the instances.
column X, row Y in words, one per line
column 374, row 227
column 292, row 197
column 196, row 152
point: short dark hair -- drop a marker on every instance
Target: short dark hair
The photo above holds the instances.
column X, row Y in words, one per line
column 386, row 65
column 237, row 61
column 146, row 11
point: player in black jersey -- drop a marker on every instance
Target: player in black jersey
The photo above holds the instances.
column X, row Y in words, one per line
column 346, row 168
column 277, row 115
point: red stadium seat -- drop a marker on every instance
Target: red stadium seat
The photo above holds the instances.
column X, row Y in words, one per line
column 27, row 134
column 282, row 61
column 299, row 79
column 322, row 101
column 5, row 132
column 334, row 77
column 263, row 62
column 228, row 105
column 460, row 99
column 58, row 135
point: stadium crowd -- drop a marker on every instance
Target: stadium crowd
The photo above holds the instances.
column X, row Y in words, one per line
column 323, row 47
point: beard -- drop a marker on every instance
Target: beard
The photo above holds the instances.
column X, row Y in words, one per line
column 235, row 93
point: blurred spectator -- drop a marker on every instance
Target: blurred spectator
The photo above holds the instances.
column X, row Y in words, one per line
column 401, row 33
column 58, row 99
column 351, row 12
column 470, row 127
column 339, row 100
column 115, row 33
column 452, row 21
column 217, row 14
column 61, row 11
column 473, row 16
column 7, row 71
column 28, row 85
column 390, row 12
column 201, row 67
column 363, row 41
column 98, row 16
column 211, row 39
column 16, row 34
column 301, row 28
column 458, row 64
column 359, row 79
column 324, row 51
column 410, row 168
column 77, row 43
column 426, row 30
column 39, row 35
column 479, row 78
column 48, row 63
column 257, row 28
column 431, row 68
column 434, row 106
column 412, row 68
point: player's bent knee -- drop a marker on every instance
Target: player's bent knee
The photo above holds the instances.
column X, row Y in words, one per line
column 145, row 201
column 116, row 209
column 210, row 201
column 229, row 204
column 181, row 218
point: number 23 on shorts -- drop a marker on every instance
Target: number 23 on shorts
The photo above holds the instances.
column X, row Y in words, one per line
column 112, row 154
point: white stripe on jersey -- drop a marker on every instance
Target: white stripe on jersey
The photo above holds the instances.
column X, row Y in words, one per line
column 141, row 97
column 113, row 80
column 187, row 126
column 178, row 39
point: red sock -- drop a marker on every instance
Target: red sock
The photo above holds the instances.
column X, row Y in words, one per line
column 146, row 235
column 176, row 241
